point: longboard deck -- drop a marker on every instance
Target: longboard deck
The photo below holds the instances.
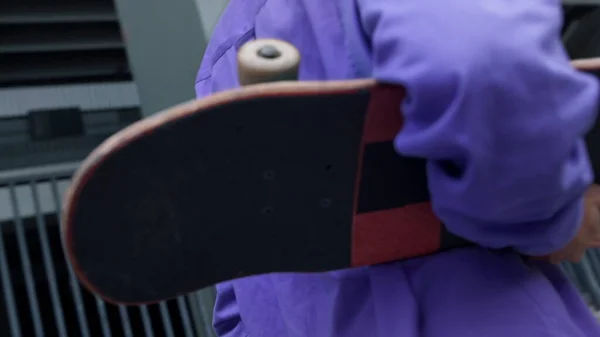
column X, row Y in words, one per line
column 285, row 177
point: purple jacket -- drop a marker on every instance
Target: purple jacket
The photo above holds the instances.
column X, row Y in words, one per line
column 489, row 87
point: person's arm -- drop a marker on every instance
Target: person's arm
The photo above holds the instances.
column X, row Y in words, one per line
column 494, row 105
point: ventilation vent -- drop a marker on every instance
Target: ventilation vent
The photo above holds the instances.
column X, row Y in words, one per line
column 39, row 295
column 58, row 42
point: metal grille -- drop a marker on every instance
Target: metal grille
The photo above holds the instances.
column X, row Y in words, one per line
column 40, row 295
column 586, row 276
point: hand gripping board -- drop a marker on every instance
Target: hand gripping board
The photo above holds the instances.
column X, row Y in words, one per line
column 280, row 177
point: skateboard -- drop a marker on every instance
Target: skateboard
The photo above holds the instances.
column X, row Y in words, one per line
column 282, row 176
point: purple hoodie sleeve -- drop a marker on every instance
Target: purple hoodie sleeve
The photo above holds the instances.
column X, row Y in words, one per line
column 226, row 316
column 494, row 105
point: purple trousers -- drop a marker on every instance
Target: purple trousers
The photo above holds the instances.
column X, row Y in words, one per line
column 469, row 292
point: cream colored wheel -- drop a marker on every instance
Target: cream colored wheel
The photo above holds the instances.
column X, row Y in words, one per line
column 267, row 60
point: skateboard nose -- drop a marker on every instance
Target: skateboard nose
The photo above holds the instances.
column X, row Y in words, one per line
column 268, row 52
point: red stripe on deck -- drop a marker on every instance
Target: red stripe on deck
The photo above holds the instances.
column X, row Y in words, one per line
column 395, row 234
column 383, row 120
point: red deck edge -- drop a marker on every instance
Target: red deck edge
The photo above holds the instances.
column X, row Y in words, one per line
column 399, row 233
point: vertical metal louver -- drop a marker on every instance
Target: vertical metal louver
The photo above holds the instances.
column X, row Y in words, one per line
column 39, row 295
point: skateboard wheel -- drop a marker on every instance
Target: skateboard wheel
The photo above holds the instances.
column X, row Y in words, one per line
column 267, row 60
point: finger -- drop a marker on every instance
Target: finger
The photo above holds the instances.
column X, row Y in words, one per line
column 593, row 193
column 577, row 255
column 595, row 243
column 556, row 258
column 576, row 259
